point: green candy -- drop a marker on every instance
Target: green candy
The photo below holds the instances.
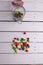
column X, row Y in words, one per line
column 14, row 48
column 21, row 40
column 17, row 47
column 28, row 41
column 18, row 39
column 19, row 14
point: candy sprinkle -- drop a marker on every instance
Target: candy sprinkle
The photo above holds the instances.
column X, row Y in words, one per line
column 20, row 44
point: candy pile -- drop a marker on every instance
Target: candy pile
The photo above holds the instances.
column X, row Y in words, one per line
column 18, row 14
column 20, row 44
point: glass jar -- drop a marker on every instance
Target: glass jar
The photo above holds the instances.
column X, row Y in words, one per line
column 18, row 13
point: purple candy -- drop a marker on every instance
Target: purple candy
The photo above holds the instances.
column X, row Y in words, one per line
column 16, row 15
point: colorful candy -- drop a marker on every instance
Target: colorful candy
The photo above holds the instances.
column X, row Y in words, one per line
column 18, row 10
column 18, row 14
column 20, row 44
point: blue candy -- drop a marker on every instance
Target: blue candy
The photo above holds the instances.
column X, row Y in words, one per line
column 28, row 46
column 22, row 47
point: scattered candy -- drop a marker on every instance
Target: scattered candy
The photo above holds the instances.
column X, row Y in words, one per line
column 20, row 44
column 24, row 32
column 26, row 50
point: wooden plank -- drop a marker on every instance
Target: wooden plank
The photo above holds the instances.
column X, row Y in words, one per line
column 35, row 48
column 26, row 0
column 5, row 48
column 9, row 16
column 41, row 1
column 5, row 16
column 17, row 58
column 29, row 16
column 8, row 36
column 5, row 5
column 29, row 6
column 38, row 6
column 31, row 59
column 22, row 0
column 14, row 26
column 40, row 59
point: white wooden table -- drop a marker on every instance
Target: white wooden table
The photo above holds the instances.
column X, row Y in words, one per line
column 32, row 24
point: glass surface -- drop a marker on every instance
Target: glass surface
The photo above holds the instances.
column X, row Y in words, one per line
column 20, row 10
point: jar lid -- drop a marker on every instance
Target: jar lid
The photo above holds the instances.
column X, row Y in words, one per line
column 17, row 2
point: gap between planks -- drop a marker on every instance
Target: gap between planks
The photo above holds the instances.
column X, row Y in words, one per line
column 19, row 23
column 11, row 11
column 24, row 53
column 11, row 42
column 23, row 31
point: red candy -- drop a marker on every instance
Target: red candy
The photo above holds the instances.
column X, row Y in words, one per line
column 26, row 50
column 22, row 38
column 13, row 3
column 13, row 41
column 27, row 38
column 19, row 48
column 15, row 38
column 24, row 32
column 21, row 3
column 24, row 43
column 16, row 43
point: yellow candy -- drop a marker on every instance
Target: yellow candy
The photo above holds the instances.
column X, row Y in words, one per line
column 12, row 45
column 20, row 43
column 16, row 51
column 25, row 48
column 16, row 12
column 21, row 15
column 27, row 42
